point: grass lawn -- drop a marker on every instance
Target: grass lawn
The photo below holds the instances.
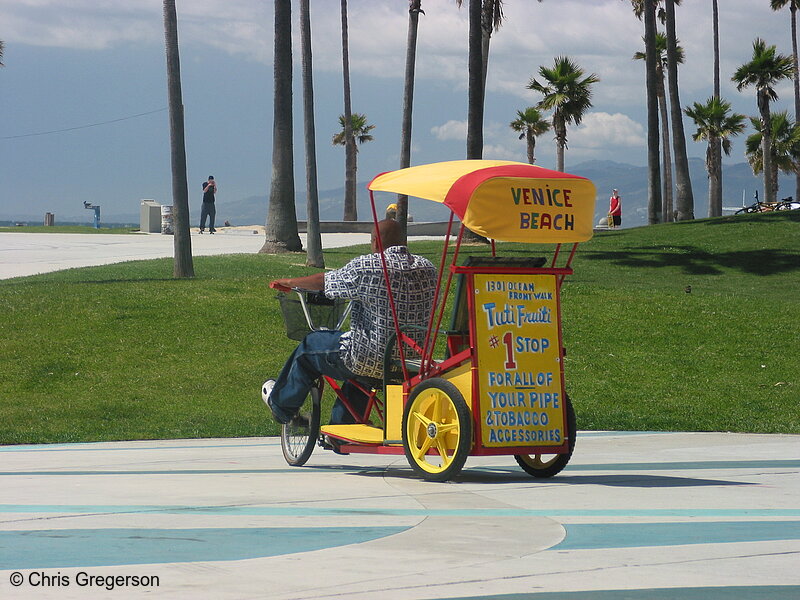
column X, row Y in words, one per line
column 126, row 352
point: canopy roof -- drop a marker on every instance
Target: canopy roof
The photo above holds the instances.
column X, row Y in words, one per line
column 503, row 200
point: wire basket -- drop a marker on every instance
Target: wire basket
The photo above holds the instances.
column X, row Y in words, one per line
column 325, row 313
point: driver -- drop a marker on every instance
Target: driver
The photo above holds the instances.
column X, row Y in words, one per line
column 345, row 355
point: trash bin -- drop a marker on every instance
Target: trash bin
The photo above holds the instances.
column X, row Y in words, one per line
column 150, row 217
column 166, row 220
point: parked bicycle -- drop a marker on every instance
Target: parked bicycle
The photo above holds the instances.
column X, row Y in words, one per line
column 759, row 207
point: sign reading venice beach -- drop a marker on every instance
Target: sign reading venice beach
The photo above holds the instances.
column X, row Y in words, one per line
column 520, row 385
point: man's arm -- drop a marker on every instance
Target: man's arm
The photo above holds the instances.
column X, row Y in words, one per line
column 309, row 282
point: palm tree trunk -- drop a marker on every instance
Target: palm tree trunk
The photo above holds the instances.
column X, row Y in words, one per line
column 793, row 10
column 487, row 19
column 414, row 9
column 314, row 256
column 530, row 140
column 350, row 150
column 667, row 208
column 182, row 242
column 653, row 166
column 685, row 200
column 770, row 193
column 475, row 104
column 561, row 140
column 714, row 175
column 715, row 19
column 281, row 225
column 475, row 95
column 715, row 201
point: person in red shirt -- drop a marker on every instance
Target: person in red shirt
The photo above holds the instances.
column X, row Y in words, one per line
column 615, row 209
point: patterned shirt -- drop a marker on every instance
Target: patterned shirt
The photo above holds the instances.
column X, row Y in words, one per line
column 413, row 282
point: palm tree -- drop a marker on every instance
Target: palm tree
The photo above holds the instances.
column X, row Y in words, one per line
column 182, row 243
column 715, row 34
column 715, row 124
column 475, row 90
column 717, row 142
column 765, row 70
column 683, row 183
column 350, row 205
column 785, row 135
column 531, row 125
column 793, row 6
column 281, row 225
column 661, row 93
column 477, row 66
column 358, row 131
column 568, row 94
column 314, row 256
column 646, row 10
column 491, row 20
column 414, row 9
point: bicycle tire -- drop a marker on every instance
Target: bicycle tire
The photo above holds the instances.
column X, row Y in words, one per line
column 299, row 436
column 437, row 418
column 534, row 465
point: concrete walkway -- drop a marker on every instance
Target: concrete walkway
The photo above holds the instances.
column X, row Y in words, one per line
column 640, row 516
column 31, row 253
column 634, row 515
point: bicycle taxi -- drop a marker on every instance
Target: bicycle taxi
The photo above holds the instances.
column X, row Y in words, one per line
column 489, row 379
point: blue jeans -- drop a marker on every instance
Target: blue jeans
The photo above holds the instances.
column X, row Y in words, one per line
column 207, row 210
column 318, row 354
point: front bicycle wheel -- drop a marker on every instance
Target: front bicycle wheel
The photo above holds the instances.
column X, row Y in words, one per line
column 299, row 436
column 547, row 465
column 437, row 430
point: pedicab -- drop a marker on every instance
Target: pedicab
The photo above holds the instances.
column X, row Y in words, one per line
column 491, row 381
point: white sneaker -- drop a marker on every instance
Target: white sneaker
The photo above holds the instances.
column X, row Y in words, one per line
column 266, row 390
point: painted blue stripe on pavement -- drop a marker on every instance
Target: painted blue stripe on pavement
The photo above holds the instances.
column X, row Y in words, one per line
column 61, row 548
column 643, row 466
column 588, row 536
column 104, row 447
column 755, row 592
column 315, row 511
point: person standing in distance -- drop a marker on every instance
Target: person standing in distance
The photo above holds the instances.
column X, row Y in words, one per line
column 208, row 209
column 615, row 209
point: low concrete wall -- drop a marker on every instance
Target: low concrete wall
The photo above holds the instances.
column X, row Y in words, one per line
column 434, row 228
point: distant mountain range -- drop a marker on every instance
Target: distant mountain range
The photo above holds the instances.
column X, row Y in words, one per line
column 739, row 184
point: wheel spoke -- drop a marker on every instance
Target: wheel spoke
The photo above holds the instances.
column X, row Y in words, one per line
column 422, row 450
column 421, row 418
column 437, row 407
column 445, row 456
column 448, row 428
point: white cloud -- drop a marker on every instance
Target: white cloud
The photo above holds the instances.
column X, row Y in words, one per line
column 502, row 152
column 600, row 130
column 452, row 130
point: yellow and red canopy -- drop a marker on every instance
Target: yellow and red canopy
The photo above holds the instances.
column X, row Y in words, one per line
column 503, row 200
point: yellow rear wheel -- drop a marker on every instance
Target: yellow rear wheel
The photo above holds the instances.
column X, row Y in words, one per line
column 437, row 430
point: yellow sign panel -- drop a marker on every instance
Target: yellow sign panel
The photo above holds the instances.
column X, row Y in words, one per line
column 519, row 360
column 545, row 211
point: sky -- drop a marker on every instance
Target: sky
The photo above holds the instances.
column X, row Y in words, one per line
column 84, row 97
